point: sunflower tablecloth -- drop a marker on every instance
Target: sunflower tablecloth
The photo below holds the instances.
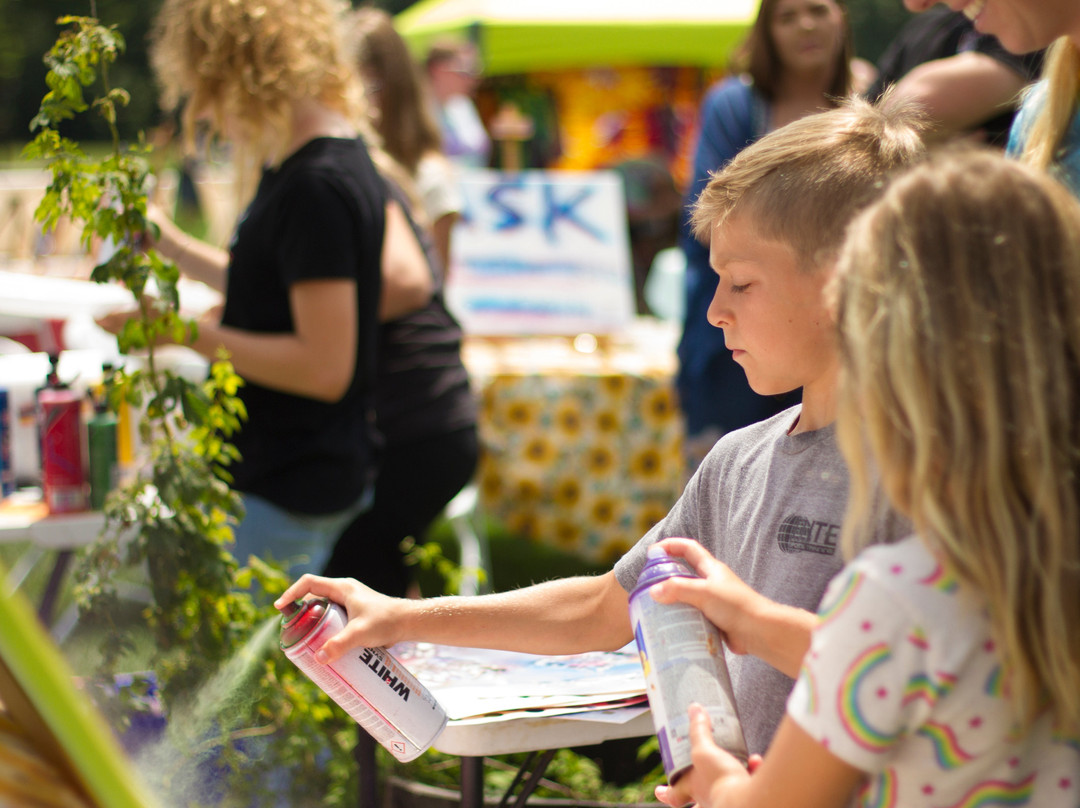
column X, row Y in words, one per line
column 582, row 450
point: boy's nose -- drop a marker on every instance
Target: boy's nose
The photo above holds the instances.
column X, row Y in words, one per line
column 718, row 315
column 919, row 5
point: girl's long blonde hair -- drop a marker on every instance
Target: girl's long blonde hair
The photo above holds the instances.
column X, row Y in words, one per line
column 1062, row 71
column 958, row 304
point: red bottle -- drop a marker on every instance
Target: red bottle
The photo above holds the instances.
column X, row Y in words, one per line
column 63, row 468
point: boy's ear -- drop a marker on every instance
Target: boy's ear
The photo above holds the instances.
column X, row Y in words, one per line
column 831, row 292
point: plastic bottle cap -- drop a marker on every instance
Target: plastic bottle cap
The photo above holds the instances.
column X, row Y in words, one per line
column 656, row 551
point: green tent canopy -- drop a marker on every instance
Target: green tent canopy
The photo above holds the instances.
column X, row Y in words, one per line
column 521, row 36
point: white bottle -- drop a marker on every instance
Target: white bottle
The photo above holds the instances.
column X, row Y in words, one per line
column 371, row 685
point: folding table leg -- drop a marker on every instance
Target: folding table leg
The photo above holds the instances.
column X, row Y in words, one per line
column 364, row 753
column 52, row 588
column 531, row 783
column 472, row 782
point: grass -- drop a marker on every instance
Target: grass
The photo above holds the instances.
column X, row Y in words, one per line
column 515, row 561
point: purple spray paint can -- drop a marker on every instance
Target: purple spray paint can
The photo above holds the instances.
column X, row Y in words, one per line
column 683, row 660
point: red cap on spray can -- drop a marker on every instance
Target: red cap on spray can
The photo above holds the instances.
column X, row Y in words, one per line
column 300, row 618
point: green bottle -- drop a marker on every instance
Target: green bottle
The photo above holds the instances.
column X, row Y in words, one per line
column 101, row 440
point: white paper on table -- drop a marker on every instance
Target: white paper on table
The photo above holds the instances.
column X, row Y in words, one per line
column 620, row 715
column 469, row 702
column 602, row 713
column 471, row 681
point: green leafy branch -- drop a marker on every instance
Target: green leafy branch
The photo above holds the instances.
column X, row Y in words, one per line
column 173, row 519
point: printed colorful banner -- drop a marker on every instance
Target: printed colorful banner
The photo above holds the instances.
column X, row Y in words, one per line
column 541, row 252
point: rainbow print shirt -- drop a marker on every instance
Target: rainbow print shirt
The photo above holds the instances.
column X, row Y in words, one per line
column 903, row 681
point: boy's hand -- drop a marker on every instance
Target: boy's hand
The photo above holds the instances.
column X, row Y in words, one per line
column 712, row 774
column 373, row 617
column 749, row 622
column 723, row 597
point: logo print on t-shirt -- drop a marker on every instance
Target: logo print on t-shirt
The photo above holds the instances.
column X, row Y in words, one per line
column 797, row 533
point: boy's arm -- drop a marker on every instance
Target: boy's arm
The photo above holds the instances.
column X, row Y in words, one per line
column 750, row 622
column 565, row 616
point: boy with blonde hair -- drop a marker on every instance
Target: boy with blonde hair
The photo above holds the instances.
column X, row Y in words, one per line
column 768, row 500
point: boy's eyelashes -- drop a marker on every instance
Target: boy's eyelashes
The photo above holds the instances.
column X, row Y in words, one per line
column 724, row 278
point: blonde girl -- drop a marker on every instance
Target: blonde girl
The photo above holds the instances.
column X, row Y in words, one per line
column 945, row 670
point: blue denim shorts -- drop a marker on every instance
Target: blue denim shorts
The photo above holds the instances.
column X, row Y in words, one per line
column 300, row 541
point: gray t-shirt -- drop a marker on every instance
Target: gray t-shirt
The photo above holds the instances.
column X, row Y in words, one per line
column 769, row 505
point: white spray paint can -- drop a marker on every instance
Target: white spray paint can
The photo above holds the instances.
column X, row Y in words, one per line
column 683, row 660
column 371, row 685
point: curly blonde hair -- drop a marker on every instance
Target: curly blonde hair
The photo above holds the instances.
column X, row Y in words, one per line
column 957, row 298
column 244, row 63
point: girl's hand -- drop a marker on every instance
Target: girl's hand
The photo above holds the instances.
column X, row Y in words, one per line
column 115, row 321
column 713, row 772
column 213, row 314
column 799, row 773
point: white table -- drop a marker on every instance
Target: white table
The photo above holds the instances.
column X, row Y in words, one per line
column 514, row 735
column 479, row 689
column 541, row 737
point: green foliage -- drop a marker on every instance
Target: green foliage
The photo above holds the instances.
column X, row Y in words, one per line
column 429, row 556
column 174, row 518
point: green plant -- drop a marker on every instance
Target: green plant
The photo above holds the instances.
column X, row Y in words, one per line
column 428, row 556
column 227, row 699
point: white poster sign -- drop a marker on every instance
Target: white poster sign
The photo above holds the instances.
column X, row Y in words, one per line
column 541, row 252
